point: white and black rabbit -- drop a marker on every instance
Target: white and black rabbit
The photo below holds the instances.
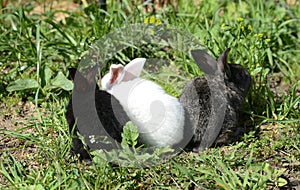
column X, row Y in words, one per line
column 94, row 113
column 160, row 118
column 207, row 99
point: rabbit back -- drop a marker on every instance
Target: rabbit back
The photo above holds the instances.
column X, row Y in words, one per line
column 197, row 99
column 160, row 117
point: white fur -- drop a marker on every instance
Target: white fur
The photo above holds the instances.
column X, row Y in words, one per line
column 158, row 116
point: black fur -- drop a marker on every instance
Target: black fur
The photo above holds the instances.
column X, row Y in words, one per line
column 207, row 99
column 93, row 112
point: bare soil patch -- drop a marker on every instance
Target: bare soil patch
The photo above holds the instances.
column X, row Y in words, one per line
column 41, row 7
column 13, row 122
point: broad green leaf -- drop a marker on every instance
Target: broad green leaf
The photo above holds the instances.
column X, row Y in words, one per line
column 281, row 182
column 22, row 84
column 130, row 134
column 61, row 81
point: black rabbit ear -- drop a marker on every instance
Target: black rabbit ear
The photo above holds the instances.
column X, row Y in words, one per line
column 205, row 62
column 223, row 66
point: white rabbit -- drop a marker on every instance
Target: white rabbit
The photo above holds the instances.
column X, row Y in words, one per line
column 160, row 118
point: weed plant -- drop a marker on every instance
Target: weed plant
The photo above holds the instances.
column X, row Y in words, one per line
column 36, row 51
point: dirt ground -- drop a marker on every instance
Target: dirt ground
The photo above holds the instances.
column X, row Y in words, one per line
column 14, row 118
column 41, row 7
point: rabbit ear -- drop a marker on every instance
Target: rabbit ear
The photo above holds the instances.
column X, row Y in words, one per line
column 205, row 62
column 115, row 75
column 133, row 69
column 119, row 73
column 223, row 66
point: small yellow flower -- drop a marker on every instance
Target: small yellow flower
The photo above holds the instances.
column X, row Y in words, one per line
column 158, row 22
column 268, row 40
column 260, row 35
column 240, row 19
column 146, row 20
column 152, row 19
column 243, row 28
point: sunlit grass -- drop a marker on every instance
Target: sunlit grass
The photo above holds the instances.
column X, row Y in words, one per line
column 35, row 143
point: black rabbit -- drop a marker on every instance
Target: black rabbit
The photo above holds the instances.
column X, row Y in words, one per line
column 215, row 102
column 93, row 113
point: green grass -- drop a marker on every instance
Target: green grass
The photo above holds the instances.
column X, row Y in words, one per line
column 34, row 142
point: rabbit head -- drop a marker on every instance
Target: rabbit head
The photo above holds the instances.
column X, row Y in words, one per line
column 233, row 73
column 119, row 73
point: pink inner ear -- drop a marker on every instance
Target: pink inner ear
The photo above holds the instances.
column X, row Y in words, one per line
column 115, row 74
